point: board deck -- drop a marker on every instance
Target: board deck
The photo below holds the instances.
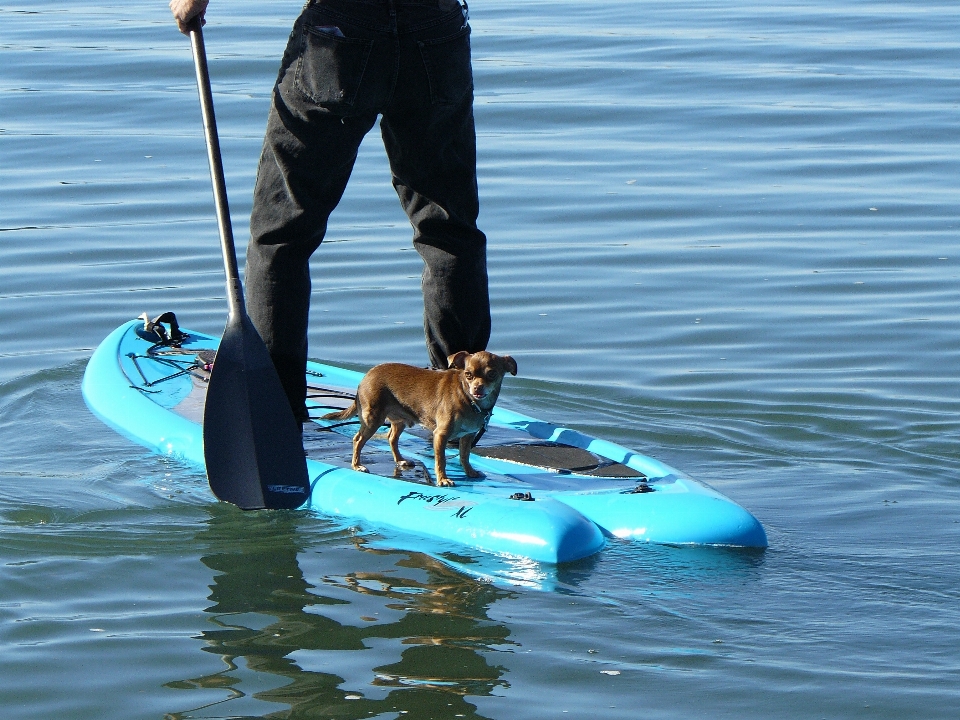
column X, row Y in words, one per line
column 549, row 493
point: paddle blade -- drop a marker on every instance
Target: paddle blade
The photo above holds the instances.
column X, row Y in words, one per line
column 251, row 442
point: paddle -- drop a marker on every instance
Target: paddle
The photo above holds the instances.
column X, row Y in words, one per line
column 251, row 441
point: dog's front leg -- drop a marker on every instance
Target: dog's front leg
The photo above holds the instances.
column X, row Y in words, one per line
column 440, row 457
column 466, row 445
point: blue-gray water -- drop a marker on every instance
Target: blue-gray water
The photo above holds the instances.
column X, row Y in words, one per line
column 722, row 233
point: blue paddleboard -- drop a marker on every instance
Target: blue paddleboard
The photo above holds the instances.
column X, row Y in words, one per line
column 549, row 493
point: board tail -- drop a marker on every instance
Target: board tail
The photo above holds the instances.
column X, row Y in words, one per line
column 343, row 414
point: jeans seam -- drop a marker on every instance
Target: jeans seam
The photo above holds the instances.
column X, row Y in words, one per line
column 353, row 20
column 434, row 23
column 387, row 29
column 441, row 40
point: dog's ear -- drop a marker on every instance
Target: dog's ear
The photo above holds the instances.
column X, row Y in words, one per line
column 509, row 364
column 458, row 360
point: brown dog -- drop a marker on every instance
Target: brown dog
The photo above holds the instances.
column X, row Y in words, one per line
column 454, row 404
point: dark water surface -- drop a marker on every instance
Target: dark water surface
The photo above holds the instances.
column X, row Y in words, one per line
column 722, row 233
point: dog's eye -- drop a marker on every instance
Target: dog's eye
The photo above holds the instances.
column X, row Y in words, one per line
column 468, row 375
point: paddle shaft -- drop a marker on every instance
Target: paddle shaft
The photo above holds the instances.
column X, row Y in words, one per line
column 252, row 447
column 234, row 288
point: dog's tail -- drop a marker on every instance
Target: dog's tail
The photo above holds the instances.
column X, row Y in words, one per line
column 343, row 414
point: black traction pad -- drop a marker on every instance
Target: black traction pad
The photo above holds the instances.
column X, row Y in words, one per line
column 559, row 458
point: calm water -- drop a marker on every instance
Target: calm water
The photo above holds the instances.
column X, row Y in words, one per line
column 722, row 233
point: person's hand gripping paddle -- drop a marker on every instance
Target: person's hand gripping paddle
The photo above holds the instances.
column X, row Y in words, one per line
column 251, row 441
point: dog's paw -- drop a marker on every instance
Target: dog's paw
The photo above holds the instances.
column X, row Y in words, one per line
column 406, row 465
column 445, row 482
column 471, row 473
column 361, row 468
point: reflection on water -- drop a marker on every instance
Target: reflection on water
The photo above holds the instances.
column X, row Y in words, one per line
column 406, row 634
column 315, row 636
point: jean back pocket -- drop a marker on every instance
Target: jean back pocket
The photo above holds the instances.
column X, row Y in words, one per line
column 330, row 68
column 447, row 62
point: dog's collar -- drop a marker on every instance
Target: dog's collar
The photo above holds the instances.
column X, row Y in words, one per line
column 476, row 408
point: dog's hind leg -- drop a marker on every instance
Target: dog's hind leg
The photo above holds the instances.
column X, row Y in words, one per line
column 359, row 440
column 393, row 437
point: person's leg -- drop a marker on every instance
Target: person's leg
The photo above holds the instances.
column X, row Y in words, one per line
column 428, row 132
column 288, row 223
column 323, row 105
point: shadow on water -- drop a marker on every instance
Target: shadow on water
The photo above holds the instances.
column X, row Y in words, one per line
column 288, row 640
column 626, row 571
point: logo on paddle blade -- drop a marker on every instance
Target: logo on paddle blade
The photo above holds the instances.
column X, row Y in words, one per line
column 288, row 489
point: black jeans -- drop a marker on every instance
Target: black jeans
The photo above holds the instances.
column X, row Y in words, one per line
column 348, row 61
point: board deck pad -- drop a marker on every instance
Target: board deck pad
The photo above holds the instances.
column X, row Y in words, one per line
column 560, row 458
